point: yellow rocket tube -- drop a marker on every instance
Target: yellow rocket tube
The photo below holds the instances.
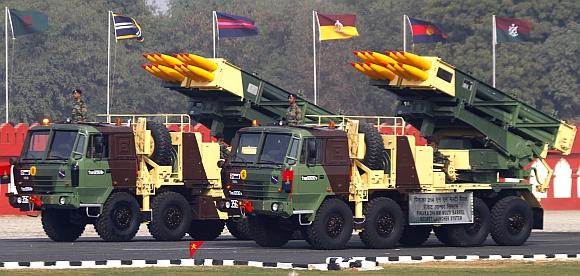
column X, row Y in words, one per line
column 199, row 61
column 416, row 72
column 384, row 72
column 205, row 75
column 417, row 61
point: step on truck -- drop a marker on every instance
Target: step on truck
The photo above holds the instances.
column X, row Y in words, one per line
column 364, row 174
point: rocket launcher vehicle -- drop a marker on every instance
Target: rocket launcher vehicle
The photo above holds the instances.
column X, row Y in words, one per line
column 224, row 97
column 481, row 128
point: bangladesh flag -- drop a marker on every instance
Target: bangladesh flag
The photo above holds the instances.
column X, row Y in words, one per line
column 512, row 29
column 28, row 22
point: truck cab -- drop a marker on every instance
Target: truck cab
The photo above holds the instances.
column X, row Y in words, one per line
column 285, row 171
column 71, row 166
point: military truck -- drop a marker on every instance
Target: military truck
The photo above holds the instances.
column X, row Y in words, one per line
column 116, row 177
column 364, row 174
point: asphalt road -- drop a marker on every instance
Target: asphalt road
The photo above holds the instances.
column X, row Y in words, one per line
column 226, row 248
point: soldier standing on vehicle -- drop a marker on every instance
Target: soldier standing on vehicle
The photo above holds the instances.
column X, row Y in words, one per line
column 293, row 113
column 79, row 108
column 224, row 150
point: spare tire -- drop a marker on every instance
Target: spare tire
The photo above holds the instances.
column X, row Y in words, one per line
column 374, row 158
column 162, row 151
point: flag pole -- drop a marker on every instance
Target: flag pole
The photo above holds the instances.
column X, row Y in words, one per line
column 404, row 33
column 493, row 42
column 213, row 20
column 314, row 51
column 6, row 56
column 108, row 64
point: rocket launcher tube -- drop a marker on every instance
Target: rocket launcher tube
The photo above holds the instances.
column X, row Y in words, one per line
column 205, row 75
column 383, row 58
column 359, row 68
column 200, row 62
column 152, row 68
column 370, row 72
column 161, row 73
column 171, row 73
column 183, row 70
column 370, row 57
column 406, row 75
column 169, row 60
column 417, row 61
column 416, row 72
column 150, row 57
column 383, row 71
column 360, row 55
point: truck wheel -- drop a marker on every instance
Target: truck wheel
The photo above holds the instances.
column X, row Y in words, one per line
column 267, row 232
column 206, row 230
column 374, row 147
column 120, row 218
column 163, row 150
column 332, row 226
column 442, row 234
column 511, row 221
column 170, row 217
column 304, row 231
column 415, row 235
column 384, row 223
column 473, row 234
column 239, row 229
column 58, row 226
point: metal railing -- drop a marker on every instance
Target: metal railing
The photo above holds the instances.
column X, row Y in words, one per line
column 394, row 125
column 180, row 120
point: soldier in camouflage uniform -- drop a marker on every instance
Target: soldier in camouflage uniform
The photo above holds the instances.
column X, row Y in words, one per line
column 293, row 113
column 79, row 108
column 224, row 150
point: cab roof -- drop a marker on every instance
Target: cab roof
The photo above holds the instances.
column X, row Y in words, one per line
column 314, row 131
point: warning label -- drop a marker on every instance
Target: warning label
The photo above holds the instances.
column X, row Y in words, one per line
column 440, row 208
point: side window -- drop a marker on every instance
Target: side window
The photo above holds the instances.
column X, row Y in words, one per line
column 318, row 145
column 98, row 146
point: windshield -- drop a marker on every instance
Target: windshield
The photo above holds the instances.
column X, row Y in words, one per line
column 37, row 143
column 247, row 148
column 58, row 147
column 275, row 148
column 62, row 144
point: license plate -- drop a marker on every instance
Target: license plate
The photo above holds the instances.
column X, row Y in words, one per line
column 24, row 200
column 232, row 204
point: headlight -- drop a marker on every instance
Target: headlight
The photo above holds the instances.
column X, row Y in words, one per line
column 62, row 200
column 275, row 206
column 228, row 204
column 19, row 200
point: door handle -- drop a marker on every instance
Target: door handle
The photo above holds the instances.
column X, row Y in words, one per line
column 108, row 171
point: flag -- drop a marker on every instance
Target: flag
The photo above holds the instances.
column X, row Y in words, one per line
column 336, row 26
column 27, row 22
column 234, row 26
column 194, row 246
column 512, row 29
column 126, row 28
column 425, row 32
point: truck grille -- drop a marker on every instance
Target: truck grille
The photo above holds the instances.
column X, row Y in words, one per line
column 257, row 191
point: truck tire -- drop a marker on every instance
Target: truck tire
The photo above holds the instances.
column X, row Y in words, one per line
column 473, row 234
column 120, row 218
column 170, row 217
column 163, row 150
column 511, row 221
column 206, row 230
column 374, row 158
column 442, row 234
column 239, row 229
column 58, row 226
column 266, row 231
column 384, row 223
column 415, row 235
column 332, row 227
column 304, row 231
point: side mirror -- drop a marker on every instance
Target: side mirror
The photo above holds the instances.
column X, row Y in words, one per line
column 99, row 145
column 311, row 151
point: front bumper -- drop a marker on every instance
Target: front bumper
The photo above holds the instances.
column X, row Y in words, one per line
column 24, row 202
column 242, row 207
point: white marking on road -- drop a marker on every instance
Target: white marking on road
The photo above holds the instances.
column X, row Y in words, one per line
column 180, row 248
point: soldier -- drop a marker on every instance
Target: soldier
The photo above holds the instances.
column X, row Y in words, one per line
column 224, row 150
column 293, row 113
column 79, row 108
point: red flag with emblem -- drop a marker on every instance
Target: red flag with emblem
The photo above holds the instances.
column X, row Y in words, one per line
column 194, row 246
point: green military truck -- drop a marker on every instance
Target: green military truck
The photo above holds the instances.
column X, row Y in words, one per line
column 116, row 177
column 364, row 174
